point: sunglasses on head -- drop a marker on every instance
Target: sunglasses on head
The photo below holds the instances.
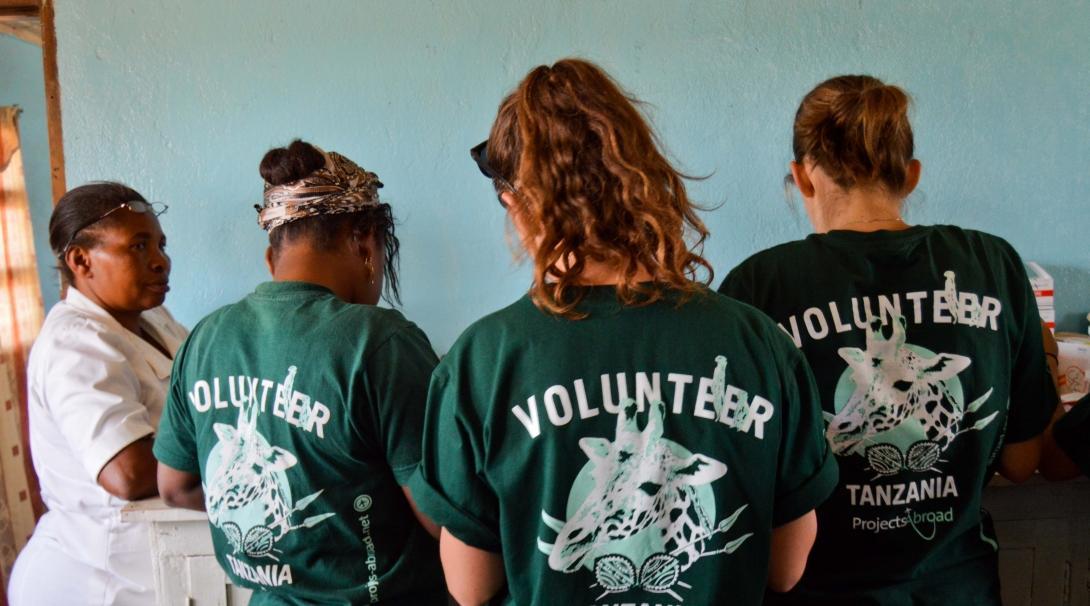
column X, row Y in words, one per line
column 136, row 206
column 479, row 153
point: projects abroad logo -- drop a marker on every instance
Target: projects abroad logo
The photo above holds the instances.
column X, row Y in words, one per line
column 924, row 523
column 362, row 505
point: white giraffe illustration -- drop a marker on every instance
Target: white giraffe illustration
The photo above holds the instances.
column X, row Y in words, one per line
column 250, row 473
column 641, row 481
column 895, row 383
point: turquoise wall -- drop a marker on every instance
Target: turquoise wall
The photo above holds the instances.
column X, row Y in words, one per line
column 181, row 98
column 22, row 83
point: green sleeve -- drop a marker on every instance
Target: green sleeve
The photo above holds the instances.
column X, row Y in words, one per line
column 397, row 385
column 1072, row 433
column 449, row 487
column 807, row 471
column 1033, row 396
column 175, row 442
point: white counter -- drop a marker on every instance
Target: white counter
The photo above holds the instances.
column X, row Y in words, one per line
column 186, row 571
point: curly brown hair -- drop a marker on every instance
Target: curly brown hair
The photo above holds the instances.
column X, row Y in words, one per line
column 591, row 184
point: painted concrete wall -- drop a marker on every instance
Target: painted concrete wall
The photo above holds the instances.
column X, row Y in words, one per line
column 22, row 84
column 180, row 98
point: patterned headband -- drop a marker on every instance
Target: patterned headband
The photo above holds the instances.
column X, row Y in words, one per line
column 340, row 186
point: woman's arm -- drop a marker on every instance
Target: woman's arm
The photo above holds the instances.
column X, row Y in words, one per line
column 1018, row 461
column 181, row 488
column 425, row 521
column 130, row 474
column 791, row 544
column 474, row 576
column 1055, row 464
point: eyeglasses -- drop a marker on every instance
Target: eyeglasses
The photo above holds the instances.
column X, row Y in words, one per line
column 479, row 153
column 136, row 206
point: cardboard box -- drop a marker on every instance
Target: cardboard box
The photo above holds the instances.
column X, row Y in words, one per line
column 1043, row 290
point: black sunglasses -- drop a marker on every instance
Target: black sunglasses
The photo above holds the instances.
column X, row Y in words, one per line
column 479, row 153
column 136, row 206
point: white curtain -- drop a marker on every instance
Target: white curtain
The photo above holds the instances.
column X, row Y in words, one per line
column 21, row 316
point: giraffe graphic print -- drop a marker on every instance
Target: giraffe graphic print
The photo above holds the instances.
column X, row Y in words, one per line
column 641, row 511
column 901, row 405
column 247, row 494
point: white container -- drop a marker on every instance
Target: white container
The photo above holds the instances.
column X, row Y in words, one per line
column 1043, row 290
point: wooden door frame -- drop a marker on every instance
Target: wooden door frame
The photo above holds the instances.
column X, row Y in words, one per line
column 42, row 10
column 52, row 100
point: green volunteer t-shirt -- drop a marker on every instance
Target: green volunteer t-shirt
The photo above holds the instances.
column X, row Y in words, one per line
column 303, row 416
column 640, row 455
column 1072, row 433
column 926, row 346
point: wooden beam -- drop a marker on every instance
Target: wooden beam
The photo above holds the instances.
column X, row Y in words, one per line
column 20, row 8
column 52, row 100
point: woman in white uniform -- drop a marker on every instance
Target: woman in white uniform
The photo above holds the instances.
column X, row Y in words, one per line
column 97, row 379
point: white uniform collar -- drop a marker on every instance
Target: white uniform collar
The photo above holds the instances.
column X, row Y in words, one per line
column 82, row 302
column 160, row 363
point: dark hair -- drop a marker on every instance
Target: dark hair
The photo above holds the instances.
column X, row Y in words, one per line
column 856, row 129
column 79, row 206
column 594, row 186
column 323, row 232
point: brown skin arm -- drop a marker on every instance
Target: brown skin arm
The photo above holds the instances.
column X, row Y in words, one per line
column 474, row 576
column 130, row 475
column 181, row 488
column 1017, row 462
column 791, row 544
column 425, row 521
column 1055, row 464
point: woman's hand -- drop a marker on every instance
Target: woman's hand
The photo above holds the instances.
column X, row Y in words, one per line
column 181, row 488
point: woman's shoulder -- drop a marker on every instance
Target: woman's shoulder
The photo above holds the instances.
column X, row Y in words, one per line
column 522, row 323
column 67, row 323
column 973, row 244
column 786, row 252
column 771, row 266
column 740, row 317
column 73, row 337
column 967, row 234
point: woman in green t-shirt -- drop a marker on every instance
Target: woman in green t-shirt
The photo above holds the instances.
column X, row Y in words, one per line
column 294, row 415
column 621, row 433
column 926, row 345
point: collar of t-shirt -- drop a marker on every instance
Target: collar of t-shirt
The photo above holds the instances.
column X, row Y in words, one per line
column 883, row 247
column 603, row 298
column 844, row 236
column 290, row 289
column 149, row 320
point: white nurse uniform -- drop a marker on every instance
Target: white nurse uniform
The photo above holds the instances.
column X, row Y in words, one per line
column 94, row 388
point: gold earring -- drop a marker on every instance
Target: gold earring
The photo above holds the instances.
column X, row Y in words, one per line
column 371, row 272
